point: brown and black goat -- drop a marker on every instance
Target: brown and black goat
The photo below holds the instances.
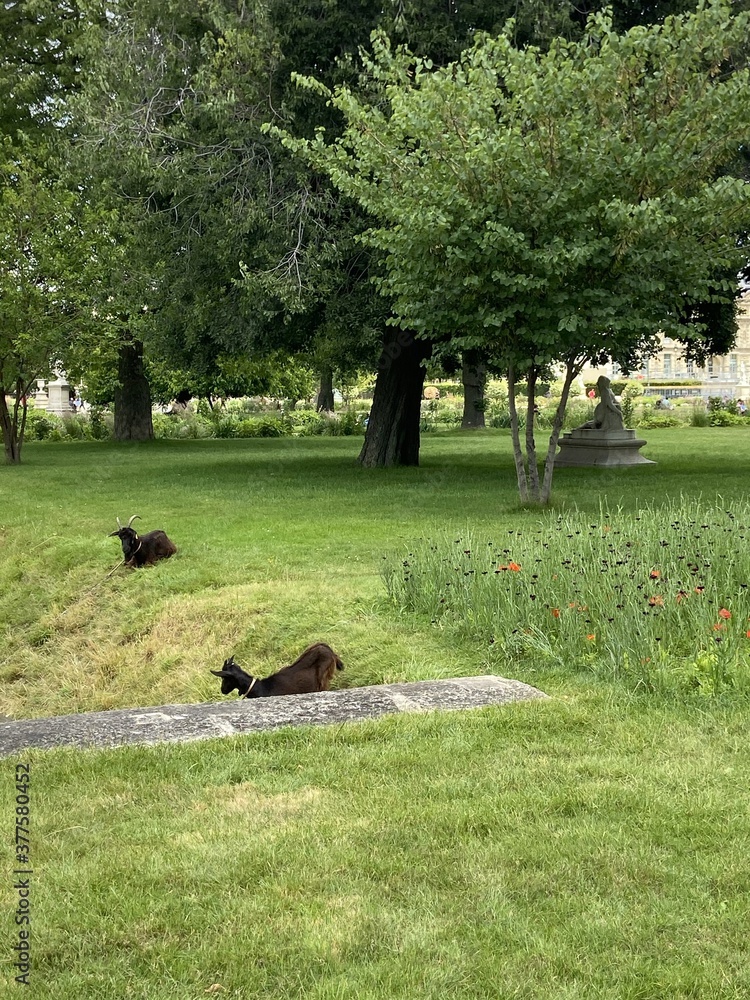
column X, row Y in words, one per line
column 313, row 671
column 142, row 550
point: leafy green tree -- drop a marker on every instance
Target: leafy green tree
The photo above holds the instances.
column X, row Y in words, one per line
column 222, row 218
column 249, row 250
column 54, row 240
column 440, row 30
column 39, row 64
column 48, row 263
column 554, row 207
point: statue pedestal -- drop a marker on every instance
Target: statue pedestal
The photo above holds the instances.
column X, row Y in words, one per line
column 588, row 446
column 58, row 397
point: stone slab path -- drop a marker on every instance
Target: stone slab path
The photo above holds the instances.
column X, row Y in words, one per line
column 184, row 723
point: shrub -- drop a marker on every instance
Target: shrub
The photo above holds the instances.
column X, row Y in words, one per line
column 699, row 417
column 340, row 424
column 724, row 418
column 40, row 424
column 501, row 418
column 77, row 427
column 448, row 388
column 102, row 423
column 577, row 412
column 631, row 391
column 182, row 425
column 307, row 423
column 225, row 427
column 717, row 403
column 345, row 424
column 264, row 427
column 653, row 419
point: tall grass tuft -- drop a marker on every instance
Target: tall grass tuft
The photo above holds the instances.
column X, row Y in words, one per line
column 659, row 598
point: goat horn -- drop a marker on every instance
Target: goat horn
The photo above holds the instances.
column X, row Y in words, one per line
column 133, row 519
column 118, row 522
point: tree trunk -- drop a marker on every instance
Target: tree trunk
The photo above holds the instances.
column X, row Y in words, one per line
column 13, row 428
column 392, row 436
column 474, row 377
column 533, row 468
column 573, row 368
column 325, row 393
column 523, row 486
column 132, row 396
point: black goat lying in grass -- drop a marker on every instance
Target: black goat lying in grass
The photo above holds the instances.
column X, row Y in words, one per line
column 143, row 550
column 313, row 671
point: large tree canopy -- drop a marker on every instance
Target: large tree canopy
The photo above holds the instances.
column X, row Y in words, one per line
column 559, row 206
column 237, row 235
column 248, row 249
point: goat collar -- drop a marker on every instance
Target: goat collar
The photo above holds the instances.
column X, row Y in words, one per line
column 252, row 685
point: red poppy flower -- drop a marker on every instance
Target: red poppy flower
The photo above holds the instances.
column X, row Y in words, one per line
column 654, row 574
column 656, row 601
column 681, row 595
column 555, row 612
column 726, row 615
column 514, row 567
column 591, row 637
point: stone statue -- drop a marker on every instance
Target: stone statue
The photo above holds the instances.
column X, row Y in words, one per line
column 604, row 440
column 607, row 415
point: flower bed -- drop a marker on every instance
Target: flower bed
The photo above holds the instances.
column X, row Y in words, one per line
column 659, row 599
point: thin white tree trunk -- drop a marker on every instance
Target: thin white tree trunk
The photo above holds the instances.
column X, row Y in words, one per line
column 523, row 489
column 530, row 442
column 572, row 369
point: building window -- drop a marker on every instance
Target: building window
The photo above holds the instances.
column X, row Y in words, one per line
column 710, row 366
column 733, row 364
column 667, row 364
column 690, row 367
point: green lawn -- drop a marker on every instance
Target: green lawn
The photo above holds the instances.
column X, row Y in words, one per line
column 591, row 846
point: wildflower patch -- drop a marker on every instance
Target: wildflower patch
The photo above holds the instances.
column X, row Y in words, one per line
column 660, row 598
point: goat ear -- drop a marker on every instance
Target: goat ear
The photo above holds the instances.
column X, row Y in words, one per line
column 220, row 673
column 113, row 533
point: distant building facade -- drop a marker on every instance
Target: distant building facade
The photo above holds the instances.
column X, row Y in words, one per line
column 723, row 375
